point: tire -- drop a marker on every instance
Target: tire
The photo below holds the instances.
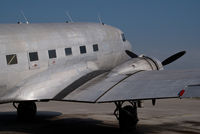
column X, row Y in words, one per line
column 128, row 118
column 26, row 111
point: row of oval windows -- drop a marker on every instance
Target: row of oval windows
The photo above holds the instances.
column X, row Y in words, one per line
column 33, row 56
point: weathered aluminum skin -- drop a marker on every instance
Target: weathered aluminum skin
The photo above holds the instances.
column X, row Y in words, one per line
column 23, row 81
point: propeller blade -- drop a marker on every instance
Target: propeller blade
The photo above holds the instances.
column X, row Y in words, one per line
column 131, row 54
column 173, row 58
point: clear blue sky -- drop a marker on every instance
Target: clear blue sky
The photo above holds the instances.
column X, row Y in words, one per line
column 157, row 28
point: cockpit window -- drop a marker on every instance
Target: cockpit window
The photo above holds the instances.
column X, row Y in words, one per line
column 123, row 37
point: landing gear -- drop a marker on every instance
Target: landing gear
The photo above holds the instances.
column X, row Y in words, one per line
column 127, row 116
column 26, row 110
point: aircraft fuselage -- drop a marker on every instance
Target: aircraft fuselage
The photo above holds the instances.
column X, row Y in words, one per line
column 28, row 49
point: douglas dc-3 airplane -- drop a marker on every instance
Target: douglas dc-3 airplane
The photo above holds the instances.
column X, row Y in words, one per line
column 84, row 62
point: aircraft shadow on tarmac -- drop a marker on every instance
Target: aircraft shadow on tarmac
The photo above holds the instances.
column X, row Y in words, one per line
column 47, row 122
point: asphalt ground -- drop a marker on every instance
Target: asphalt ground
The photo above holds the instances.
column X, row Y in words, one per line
column 173, row 116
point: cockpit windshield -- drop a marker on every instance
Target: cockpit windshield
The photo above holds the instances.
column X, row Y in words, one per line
column 123, row 37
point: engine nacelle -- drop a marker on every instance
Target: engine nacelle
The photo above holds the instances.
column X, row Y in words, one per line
column 137, row 64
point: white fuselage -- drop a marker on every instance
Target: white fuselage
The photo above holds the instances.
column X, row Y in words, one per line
column 18, row 40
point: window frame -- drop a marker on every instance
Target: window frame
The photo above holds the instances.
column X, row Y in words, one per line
column 33, row 59
column 52, row 54
column 95, row 47
column 10, row 59
column 68, row 51
column 83, row 49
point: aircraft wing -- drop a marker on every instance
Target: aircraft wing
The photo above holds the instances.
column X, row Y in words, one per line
column 139, row 86
column 98, row 86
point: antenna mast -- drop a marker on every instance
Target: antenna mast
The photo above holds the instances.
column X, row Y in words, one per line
column 70, row 18
column 24, row 17
column 100, row 20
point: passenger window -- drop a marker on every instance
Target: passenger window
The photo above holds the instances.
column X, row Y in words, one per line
column 68, row 51
column 123, row 37
column 52, row 54
column 82, row 49
column 95, row 47
column 11, row 59
column 33, row 56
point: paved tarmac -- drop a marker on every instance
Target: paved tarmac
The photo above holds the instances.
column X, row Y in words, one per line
column 173, row 116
